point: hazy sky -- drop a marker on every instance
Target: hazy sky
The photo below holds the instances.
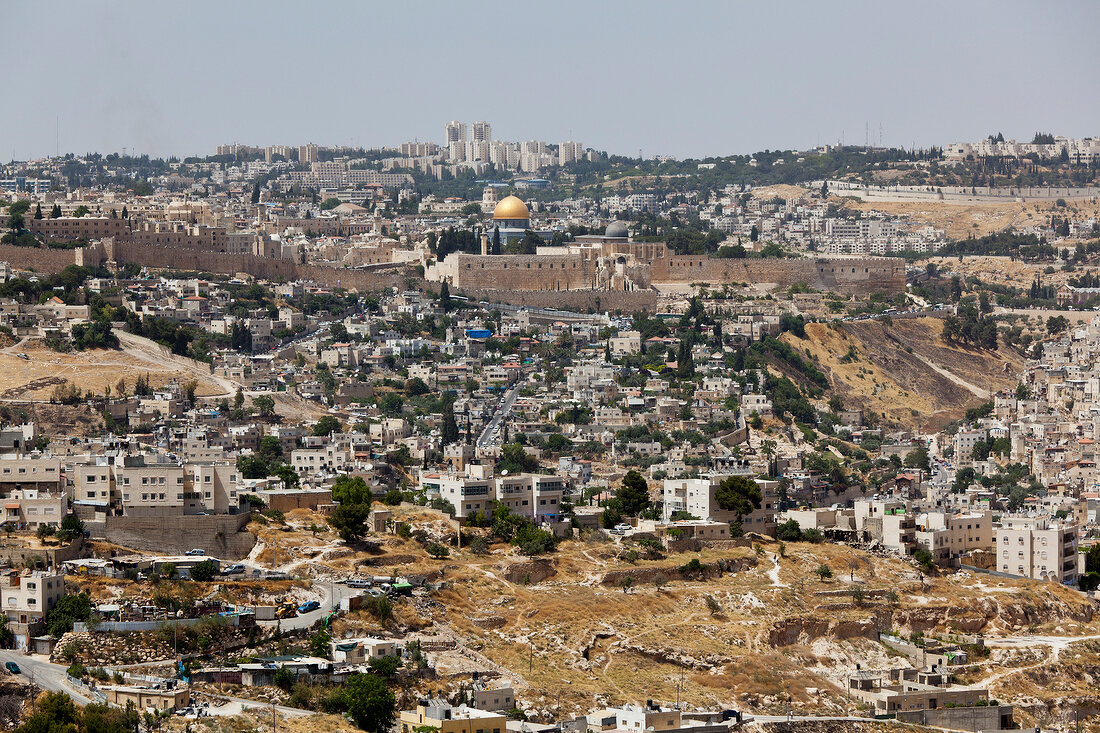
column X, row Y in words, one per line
column 679, row 78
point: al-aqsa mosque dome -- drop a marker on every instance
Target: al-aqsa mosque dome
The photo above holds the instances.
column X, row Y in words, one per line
column 512, row 213
column 616, row 230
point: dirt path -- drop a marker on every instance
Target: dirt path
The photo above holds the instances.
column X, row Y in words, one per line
column 976, row 390
column 773, row 574
column 161, row 356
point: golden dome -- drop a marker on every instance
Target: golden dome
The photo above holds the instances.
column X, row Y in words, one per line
column 511, row 207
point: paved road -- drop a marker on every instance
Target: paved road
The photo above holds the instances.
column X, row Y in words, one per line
column 46, row 675
column 503, row 409
column 329, row 601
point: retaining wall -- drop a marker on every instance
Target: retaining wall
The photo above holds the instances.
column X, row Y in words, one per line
column 51, row 555
column 222, row 536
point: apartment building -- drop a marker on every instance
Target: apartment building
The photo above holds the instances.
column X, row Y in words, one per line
column 530, row 495
column 213, row 488
column 40, row 474
column 469, row 493
column 317, row 460
column 31, row 508
column 151, row 490
column 948, row 536
column 696, row 497
column 26, row 597
column 1037, row 547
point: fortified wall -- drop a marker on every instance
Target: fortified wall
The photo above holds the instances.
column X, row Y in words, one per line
column 858, row 276
column 627, row 301
column 524, row 272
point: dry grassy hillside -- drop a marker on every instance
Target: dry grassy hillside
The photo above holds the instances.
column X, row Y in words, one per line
column 35, row 377
column 570, row 633
column 905, row 370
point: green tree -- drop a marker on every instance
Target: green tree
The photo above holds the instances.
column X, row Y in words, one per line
column 917, row 458
column 350, row 521
column 55, row 713
column 284, row 678
column 329, row 203
column 514, row 459
column 738, row 495
column 369, row 702
column 445, row 297
column 288, row 476
column 319, row 644
column 384, row 667
column 351, row 490
column 449, row 430
column 204, row 571
column 327, row 425
column 437, row 550
column 68, row 610
column 633, row 495
column 264, row 404
column 1092, row 559
column 789, row 531
column 71, row 527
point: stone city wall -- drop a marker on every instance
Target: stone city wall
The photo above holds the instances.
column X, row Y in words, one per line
column 39, row 259
column 859, row 276
column 262, row 267
column 524, row 272
column 576, row 300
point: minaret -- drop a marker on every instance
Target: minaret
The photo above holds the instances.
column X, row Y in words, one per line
column 484, row 243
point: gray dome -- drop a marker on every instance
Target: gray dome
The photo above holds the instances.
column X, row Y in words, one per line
column 616, row 229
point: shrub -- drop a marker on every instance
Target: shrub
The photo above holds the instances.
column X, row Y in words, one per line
column 533, row 541
column 693, row 569
column 789, row 531
column 284, row 679
column 437, row 550
column 380, row 607
column 712, row 605
column 823, row 571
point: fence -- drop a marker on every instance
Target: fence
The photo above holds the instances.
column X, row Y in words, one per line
column 91, row 692
column 123, row 626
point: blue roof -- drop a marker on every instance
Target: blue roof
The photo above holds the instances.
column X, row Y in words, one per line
column 478, row 333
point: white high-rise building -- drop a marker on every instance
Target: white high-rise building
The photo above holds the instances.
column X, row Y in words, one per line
column 307, row 154
column 569, row 152
column 477, row 150
column 483, row 132
column 455, row 132
column 534, row 147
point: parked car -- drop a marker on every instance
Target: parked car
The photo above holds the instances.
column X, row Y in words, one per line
column 237, row 569
column 358, row 583
column 308, row 606
column 12, row 667
column 196, row 552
